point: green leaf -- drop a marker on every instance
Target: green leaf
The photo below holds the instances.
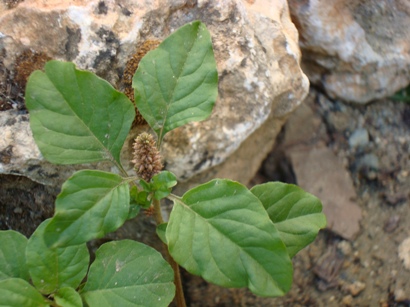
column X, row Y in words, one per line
column 133, row 212
column 139, row 198
column 16, row 292
column 68, row 297
column 13, row 255
column 90, row 205
column 177, row 83
column 297, row 215
column 145, row 185
column 220, row 231
column 161, row 184
column 135, row 207
column 54, row 268
column 161, row 232
column 75, row 116
column 129, row 273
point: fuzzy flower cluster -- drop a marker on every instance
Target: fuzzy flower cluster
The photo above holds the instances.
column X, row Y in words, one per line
column 147, row 159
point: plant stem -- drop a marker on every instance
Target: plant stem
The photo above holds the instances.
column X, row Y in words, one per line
column 179, row 296
column 157, row 212
column 120, row 168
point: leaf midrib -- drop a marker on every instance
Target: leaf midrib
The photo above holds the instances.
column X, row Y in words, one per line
column 234, row 243
column 168, row 105
column 83, row 212
column 106, row 150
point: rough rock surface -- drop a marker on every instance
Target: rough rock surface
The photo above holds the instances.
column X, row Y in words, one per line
column 404, row 253
column 356, row 50
column 257, row 53
column 320, row 172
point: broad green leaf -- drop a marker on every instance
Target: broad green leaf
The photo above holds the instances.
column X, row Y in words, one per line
column 128, row 273
column 75, row 116
column 13, row 255
column 161, row 232
column 177, row 83
column 90, row 205
column 16, row 292
column 220, row 231
column 297, row 215
column 68, row 297
column 54, row 268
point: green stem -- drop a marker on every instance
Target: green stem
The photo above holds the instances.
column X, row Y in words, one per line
column 179, row 296
column 157, row 212
column 120, row 168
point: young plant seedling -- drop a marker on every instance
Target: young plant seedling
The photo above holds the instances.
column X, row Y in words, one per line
column 220, row 230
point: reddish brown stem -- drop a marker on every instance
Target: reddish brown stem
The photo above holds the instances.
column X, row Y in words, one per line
column 179, row 295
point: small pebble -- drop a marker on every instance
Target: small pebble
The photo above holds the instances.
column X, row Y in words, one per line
column 393, row 273
column 368, row 161
column 391, row 224
column 345, row 247
column 400, row 295
column 18, row 210
column 347, row 300
column 404, row 253
column 356, row 287
column 383, row 303
column 359, row 138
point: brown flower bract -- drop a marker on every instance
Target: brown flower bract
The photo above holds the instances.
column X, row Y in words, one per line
column 147, row 159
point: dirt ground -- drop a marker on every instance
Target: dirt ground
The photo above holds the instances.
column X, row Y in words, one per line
column 333, row 271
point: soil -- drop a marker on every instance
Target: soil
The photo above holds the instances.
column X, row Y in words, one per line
column 333, row 271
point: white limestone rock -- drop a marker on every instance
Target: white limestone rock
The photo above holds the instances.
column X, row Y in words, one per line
column 356, row 50
column 257, row 53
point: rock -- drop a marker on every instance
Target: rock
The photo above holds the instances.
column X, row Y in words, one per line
column 404, row 253
column 257, row 54
column 357, row 51
column 304, row 126
column 368, row 161
column 345, row 247
column 402, row 285
column 356, row 287
column 321, row 173
column 328, row 268
column 391, row 224
column 368, row 165
column 359, row 138
column 347, row 300
column 400, row 295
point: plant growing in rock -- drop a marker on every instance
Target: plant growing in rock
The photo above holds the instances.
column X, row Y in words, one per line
column 220, row 230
